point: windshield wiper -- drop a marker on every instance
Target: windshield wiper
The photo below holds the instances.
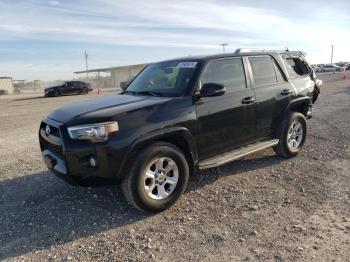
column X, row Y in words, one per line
column 129, row 92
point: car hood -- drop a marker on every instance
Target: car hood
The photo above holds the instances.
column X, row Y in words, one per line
column 102, row 109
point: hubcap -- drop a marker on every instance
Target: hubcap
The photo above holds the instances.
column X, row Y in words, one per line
column 295, row 135
column 161, row 177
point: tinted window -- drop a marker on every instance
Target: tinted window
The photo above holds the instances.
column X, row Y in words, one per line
column 263, row 70
column 228, row 72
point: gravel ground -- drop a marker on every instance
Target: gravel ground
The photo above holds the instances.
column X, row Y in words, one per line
column 260, row 208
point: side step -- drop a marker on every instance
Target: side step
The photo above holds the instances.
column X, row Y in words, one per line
column 236, row 154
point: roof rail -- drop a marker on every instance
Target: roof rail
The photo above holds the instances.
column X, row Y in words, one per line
column 253, row 50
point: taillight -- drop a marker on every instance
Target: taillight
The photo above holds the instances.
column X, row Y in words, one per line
column 318, row 84
column 317, row 88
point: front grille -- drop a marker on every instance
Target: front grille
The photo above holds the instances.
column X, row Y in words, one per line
column 58, row 150
column 46, row 144
column 54, row 130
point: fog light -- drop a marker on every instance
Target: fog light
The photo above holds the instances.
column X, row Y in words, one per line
column 92, row 162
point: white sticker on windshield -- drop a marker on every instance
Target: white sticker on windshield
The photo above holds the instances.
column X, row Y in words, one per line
column 187, row 65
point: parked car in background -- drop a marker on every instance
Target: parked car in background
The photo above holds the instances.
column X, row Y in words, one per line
column 179, row 116
column 331, row 68
column 69, row 87
column 316, row 68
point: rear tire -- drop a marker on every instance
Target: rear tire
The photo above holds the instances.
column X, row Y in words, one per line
column 149, row 186
column 292, row 135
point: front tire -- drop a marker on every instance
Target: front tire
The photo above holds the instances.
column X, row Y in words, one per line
column 158, row 178
column 57, row 93
column 292, row 135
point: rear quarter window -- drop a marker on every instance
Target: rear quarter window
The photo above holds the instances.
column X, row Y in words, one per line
column 296, row 67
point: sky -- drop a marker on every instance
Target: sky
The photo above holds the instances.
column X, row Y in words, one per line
column 46, row 39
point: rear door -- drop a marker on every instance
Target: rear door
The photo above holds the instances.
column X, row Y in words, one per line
column 225, row 121
column 77, row 86
column 272, row 93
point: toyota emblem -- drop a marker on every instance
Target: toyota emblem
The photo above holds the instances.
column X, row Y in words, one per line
column 47, row 130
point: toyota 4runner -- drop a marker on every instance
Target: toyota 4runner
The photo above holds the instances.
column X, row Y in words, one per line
column 179, row 116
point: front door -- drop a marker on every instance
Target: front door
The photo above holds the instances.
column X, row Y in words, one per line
column 69, row 88
column 225, row 121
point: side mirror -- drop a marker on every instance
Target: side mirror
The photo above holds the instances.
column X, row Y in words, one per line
column 124, row 85
column 212, row 89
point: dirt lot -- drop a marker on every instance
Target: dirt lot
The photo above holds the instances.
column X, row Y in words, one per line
column 259, row 208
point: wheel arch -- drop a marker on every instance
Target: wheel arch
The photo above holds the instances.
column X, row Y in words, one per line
column 300, row 105
column 178, row 136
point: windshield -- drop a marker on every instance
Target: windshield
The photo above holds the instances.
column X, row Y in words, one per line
column 163, row 79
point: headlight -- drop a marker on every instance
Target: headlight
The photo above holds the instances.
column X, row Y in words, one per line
column 93, row 132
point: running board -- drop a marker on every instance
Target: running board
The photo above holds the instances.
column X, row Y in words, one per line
column 236, row 154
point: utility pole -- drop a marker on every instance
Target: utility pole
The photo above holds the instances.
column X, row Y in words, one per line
column 332, row 56
column 86, row 64
column 223, row 47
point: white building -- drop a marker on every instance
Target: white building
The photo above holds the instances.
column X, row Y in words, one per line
column 117, row 74
column 6, row 86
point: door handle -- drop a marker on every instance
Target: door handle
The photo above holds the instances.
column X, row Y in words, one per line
column 286, row 92
column 248, row 100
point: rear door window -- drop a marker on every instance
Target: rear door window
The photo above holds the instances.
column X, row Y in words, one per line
column 264, row 71
column 228, row 72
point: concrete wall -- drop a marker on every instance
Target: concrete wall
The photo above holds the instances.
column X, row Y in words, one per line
column 6, row 85
column 124, row 73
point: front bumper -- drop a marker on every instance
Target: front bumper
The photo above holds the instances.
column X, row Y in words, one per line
column 69, row 159
column 48, row 93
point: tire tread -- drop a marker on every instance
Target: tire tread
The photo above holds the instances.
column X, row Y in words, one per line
column 281, row 148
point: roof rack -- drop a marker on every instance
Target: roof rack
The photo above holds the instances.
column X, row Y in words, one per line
column 253, row 50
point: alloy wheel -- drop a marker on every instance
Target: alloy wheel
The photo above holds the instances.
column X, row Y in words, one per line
column 295, row 135
column 160, row 177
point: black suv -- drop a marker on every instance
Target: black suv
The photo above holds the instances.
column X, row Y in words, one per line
column 179, row 116
column 69, row 87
